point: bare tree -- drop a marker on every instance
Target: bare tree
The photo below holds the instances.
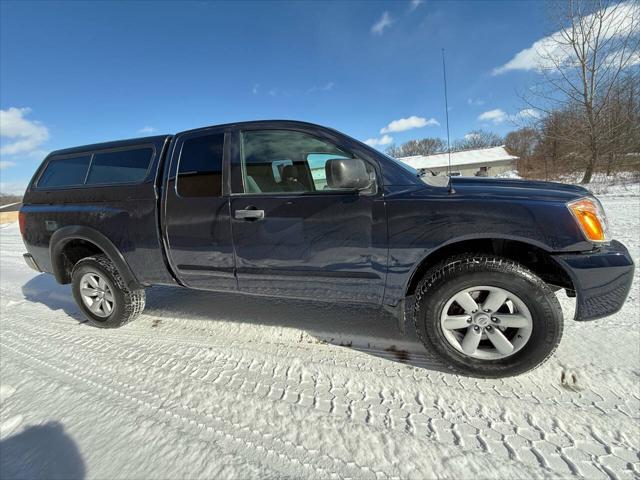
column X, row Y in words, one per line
column 478, row 139
column 430, row 146
column 523, row 143
column 621, row 124
column 596, row 42
column 7, row 199
column 554, row 153
column 393, row 151
column 425, row 146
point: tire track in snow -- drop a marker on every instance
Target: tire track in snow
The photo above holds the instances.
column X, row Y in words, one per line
column 526, row 434
column 605, row 402
column 594, row 401
column 392, row 463
column 192, row 414
column 76, row 339
column 88, row 395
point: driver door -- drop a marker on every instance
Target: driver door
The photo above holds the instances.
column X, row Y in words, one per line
column 295, row 236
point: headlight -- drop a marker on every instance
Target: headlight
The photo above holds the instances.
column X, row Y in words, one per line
column 589, row 214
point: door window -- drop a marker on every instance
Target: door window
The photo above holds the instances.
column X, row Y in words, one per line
column 200, row 166
column 285, row 161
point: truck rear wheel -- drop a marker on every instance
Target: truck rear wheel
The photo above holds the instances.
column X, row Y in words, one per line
column 102, row 295
column 487, row 316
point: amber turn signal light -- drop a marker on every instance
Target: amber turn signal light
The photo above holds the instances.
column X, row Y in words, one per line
column 591, row 218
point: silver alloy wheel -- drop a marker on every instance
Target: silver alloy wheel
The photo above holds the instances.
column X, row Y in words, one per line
column 485, row 322
column 96, row 294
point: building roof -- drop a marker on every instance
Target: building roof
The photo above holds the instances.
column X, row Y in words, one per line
column 460, row 159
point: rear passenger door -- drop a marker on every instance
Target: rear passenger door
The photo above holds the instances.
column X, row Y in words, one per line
column 196, row 211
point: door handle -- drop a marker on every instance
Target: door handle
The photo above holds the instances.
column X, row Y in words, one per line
column 249, row 214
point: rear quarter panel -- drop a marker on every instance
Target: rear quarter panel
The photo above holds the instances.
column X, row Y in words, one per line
column 126, row 214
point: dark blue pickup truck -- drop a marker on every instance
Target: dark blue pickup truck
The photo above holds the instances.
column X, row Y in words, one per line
column 291, row 209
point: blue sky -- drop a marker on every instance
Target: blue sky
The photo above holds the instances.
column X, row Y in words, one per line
column 76, row 73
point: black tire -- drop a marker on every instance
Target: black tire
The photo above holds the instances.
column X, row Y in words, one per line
column 466, row 271
column 127, row 304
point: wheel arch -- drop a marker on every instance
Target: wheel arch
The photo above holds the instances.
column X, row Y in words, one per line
column 533, row 255
column 74, row 242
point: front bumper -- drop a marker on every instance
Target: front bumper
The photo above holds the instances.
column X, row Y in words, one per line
column 601, row 278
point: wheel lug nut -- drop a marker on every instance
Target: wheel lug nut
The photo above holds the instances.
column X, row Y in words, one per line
column 487, row 310
column 494, row 319
column 474, row 311
column 488, row 327
column 476, row 328
column 469, row 320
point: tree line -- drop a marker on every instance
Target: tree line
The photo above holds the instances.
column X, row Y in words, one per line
column 432, row 145
column 587, row 97
column 7, row 199
column 584, row 109
column 564, row 142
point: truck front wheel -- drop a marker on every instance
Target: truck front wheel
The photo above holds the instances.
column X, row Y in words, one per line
column 487, row 316
column 102, row 294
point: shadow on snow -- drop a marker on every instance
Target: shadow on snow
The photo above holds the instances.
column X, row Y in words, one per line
column 41, row 452
column 365, row 328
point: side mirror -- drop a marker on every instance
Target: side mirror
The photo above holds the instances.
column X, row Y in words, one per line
column 347, row 174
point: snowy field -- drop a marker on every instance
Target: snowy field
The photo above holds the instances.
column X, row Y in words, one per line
column 221, row 386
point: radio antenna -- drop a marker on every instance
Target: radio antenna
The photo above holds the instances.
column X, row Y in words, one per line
column 446, row 112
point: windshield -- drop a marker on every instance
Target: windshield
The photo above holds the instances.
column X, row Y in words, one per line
column 425, row 176
column 408, row 168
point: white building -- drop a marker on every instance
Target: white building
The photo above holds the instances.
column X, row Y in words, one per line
column 484, row 162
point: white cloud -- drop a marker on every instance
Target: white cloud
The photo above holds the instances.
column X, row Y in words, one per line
column 615, row 58
column 324, row 88
column 496, row 116
column 475, row 102
column 276, row 92
column 146, row 130
column 376, row 142
column 24, row 135
column 408, row 123
column 619, row 19
column 38, row 154
column 415, row 4
column 527, row 114
column 384, row 22
column 6, row 164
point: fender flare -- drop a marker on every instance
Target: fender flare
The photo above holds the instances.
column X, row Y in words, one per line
column 69, row 233
column 465, row 238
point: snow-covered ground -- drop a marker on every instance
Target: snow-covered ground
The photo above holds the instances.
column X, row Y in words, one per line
column 619, row 184
column 221, row 386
